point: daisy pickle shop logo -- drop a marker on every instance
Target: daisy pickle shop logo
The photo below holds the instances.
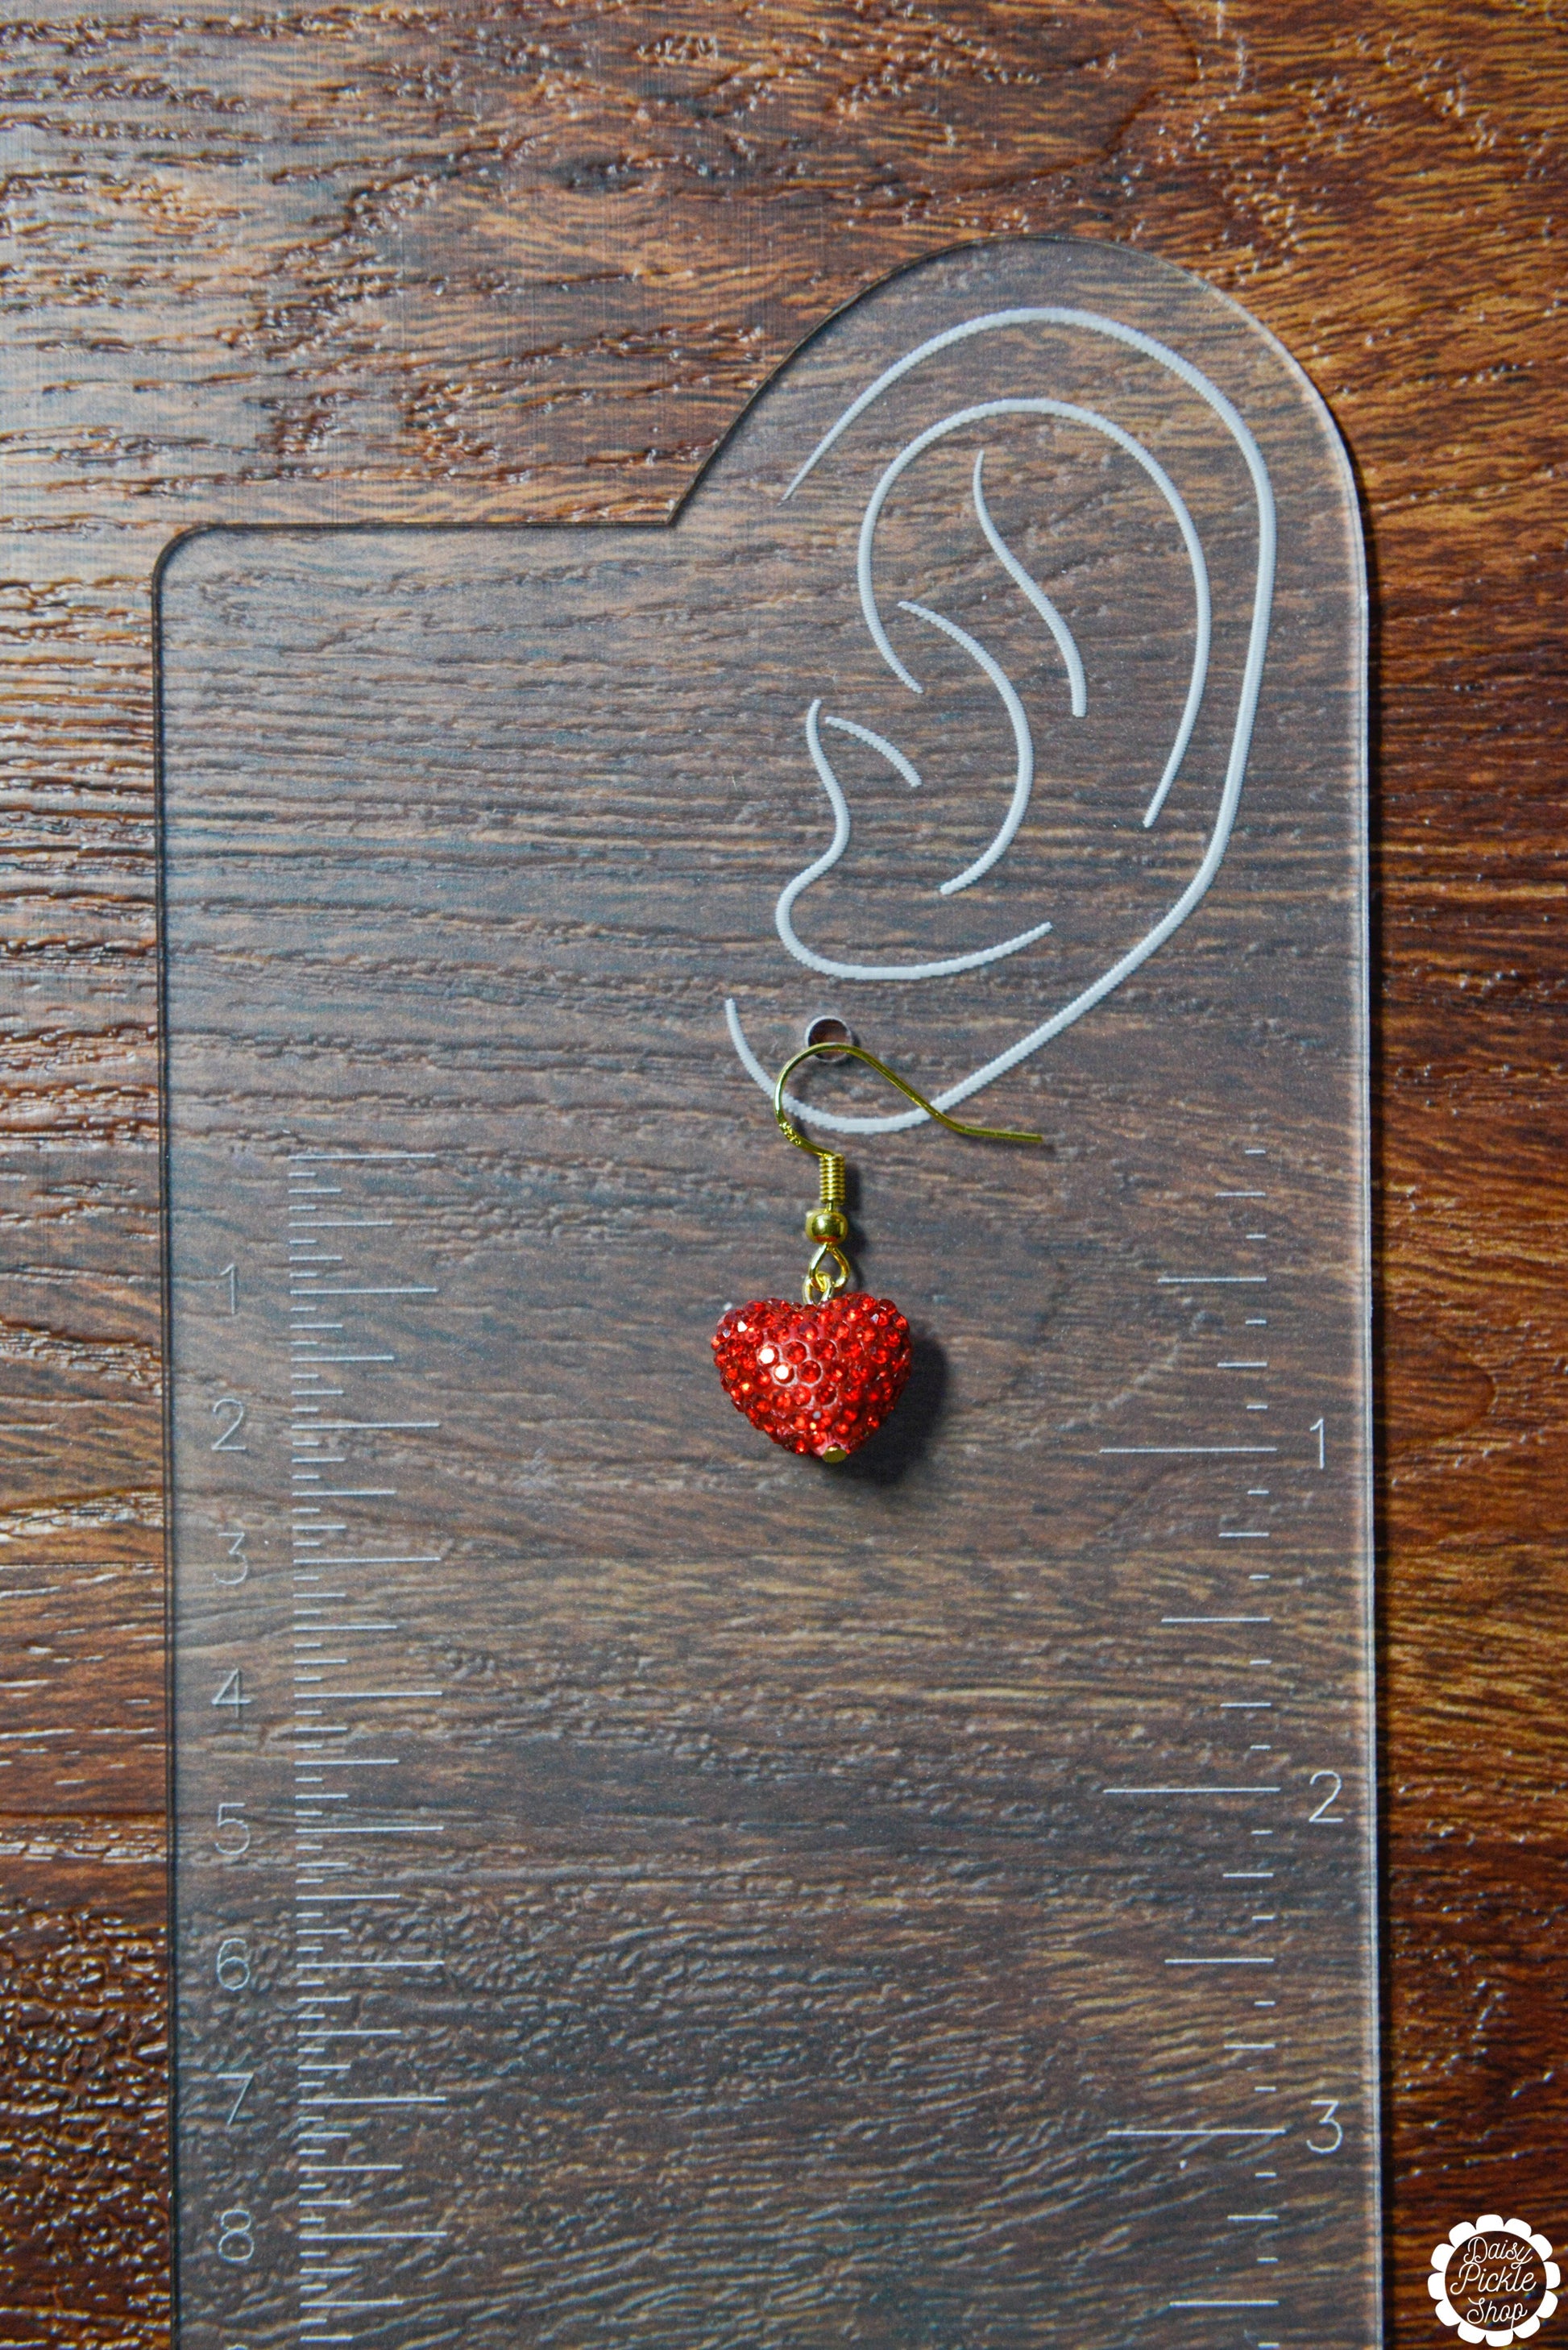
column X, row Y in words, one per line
column 1494, row 2280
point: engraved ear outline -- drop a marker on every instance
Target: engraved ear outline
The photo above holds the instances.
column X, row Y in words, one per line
column 1070, row 412
column 1066, row 643
column 1134, row 339
column 1002, row 840
column 992, row 668
column 783, row 911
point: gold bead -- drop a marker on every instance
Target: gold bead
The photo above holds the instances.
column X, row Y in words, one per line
column 826, row 1224
column 834, row 1455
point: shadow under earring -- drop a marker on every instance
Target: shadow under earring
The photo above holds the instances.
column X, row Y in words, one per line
column 821, row 1376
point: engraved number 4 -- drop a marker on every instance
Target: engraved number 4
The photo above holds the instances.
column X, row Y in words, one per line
column 232, row 1692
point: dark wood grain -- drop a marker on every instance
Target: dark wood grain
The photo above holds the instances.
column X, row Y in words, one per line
column 311, row 267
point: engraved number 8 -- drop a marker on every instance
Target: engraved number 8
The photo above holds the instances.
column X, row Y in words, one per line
column 236, row 2241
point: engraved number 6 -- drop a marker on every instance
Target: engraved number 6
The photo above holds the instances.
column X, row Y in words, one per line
column 232, row 1963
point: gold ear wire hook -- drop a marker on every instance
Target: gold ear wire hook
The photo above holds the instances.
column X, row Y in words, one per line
column 827, row 1223
column 791, row 1133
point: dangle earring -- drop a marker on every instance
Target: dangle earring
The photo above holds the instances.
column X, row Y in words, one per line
column 821, row 1376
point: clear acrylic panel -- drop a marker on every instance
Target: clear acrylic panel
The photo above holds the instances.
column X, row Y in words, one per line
column 632, row 1883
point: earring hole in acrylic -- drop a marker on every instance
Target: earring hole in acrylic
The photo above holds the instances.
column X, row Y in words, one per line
column 827, row 1028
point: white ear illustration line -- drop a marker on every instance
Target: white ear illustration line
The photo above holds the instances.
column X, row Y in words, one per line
column 890, row 750
column 783, row 912
column 1241, row 742
column 1048, row 314
column 1071, row 413
column 1024, row 783
column 1077, row 685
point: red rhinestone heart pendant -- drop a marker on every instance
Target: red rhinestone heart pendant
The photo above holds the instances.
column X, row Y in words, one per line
column 816, row 1378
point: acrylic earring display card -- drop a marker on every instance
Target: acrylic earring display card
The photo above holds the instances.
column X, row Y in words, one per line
column 631, row 1884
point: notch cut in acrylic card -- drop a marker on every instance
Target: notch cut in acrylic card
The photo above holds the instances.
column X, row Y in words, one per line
column 646, row 1883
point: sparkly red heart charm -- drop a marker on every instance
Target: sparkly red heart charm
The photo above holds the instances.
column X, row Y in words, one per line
column 816, row 1378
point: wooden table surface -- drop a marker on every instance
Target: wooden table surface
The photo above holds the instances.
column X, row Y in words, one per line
column 464, row 262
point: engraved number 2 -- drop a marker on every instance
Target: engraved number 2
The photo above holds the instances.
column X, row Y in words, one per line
column 1324, row 1817
column 224, row 1440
